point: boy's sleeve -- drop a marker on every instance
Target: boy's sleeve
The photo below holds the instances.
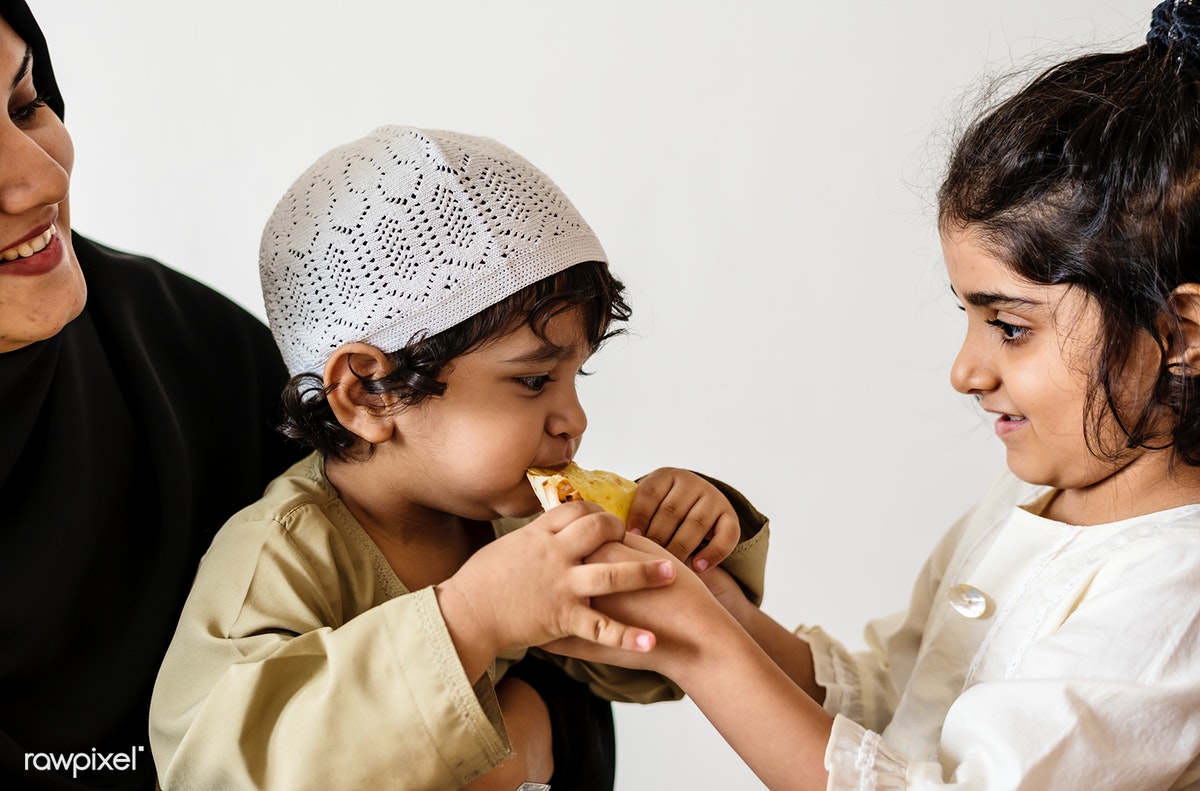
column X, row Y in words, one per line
column 281, row 675
column 748, row 561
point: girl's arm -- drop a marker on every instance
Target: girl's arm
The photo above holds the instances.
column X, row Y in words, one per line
column 740, row 689
column 789, row 652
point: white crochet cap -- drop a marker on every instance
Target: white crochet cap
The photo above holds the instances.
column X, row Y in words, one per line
column 408, row 232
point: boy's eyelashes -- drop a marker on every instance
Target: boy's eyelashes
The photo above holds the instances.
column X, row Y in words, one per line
column 534, row 383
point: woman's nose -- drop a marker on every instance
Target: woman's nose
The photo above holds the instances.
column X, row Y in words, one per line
column 30, row 177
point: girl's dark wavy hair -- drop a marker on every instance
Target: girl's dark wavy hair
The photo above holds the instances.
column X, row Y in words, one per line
column 1090, row 176
column 416, row 368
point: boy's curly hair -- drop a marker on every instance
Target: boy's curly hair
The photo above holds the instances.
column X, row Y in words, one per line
column 416, row 368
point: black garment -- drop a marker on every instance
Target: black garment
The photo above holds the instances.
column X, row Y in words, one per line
column 585, row 750
column 128, row 439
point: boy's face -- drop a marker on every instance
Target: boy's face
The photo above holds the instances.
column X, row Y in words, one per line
column 508, row 405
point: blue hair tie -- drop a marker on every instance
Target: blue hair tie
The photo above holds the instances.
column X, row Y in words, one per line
column 1175, row 24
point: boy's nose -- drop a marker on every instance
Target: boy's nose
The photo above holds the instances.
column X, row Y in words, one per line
column 568, row 419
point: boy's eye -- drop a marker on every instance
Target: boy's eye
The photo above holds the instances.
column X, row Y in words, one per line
column 534, row 383
column 1009, row 333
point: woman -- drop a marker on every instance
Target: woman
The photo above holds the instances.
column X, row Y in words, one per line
column 136, row 415
column 123, row 388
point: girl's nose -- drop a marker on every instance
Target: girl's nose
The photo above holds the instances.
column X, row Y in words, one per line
column 972, row 372
column 30, row 177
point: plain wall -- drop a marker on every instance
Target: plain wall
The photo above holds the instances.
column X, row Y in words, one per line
column 760, row 173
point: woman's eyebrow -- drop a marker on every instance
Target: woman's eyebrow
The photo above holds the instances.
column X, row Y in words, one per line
column 24, row 70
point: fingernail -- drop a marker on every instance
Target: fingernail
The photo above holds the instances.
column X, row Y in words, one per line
column 645, row 642
column 666, row 569
column 702, row 564
column 635, row 531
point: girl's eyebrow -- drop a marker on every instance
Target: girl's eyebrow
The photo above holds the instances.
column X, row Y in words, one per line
column 24, row 70
column 987, row 299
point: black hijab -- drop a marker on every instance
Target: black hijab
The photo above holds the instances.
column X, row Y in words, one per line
column 125, row 442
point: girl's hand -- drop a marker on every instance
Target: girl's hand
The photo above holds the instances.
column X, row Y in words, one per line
column 532, row 586
column 680, row 510
column 729, row 593
column 680, row 615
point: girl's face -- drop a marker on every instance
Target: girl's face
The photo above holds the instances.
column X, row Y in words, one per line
column 41, row 285
column 509, row 405
column 1027, row 356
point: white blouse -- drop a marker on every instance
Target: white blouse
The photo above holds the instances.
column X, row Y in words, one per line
column 1034, row 655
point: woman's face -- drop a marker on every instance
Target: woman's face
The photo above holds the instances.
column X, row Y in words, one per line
column 41, row 285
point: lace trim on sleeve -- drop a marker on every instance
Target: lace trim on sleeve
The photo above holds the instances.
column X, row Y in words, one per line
column 859, row 760
column 835, row 670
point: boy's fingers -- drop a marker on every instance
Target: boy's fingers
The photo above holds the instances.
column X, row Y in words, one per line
column 563, row 515
column 650, row 492
column 671, row 516
column 591, row 625
column 601, row 579
column 723, row 540
column 589, row 532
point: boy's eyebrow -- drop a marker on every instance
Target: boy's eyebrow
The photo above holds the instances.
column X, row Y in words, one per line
column 545, row 353
column 988, row 299
column 28, row 59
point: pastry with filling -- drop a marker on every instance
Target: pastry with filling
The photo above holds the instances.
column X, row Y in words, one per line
column 607, row 489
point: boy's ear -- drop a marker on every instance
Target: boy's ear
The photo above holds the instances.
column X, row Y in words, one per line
column 363, row 413
column 1183, row 341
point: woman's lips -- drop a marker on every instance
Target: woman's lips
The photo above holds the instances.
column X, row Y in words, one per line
column 35, row 256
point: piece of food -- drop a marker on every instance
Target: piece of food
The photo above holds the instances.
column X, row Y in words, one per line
column 607, row 489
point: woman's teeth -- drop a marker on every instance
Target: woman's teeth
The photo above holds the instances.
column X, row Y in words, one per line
column 28, row 248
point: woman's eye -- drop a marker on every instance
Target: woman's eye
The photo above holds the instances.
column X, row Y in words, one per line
column 27, row 112
column 534, row 383
column 1009, row 333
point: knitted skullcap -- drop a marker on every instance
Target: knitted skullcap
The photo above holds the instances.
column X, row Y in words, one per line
column 406, row 233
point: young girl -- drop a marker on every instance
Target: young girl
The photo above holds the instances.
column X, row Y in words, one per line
column 1053, row 638
column 364, row 624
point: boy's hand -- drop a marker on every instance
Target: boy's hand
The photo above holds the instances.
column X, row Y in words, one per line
column 532, row 586
column 678, row 509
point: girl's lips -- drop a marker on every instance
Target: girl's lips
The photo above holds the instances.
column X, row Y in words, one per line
column 1007, row 424
column 37, row 262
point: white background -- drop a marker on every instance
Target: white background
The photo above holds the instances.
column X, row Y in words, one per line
column 760, row 173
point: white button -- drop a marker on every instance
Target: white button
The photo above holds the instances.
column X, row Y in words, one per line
column 969, row 601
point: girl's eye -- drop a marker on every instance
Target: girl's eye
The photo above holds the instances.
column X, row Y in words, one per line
column 1009, row 333
column 25, row 113
column 534, row 383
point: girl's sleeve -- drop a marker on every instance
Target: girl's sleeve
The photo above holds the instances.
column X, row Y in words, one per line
column 1105, row 700
column 279, row 677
